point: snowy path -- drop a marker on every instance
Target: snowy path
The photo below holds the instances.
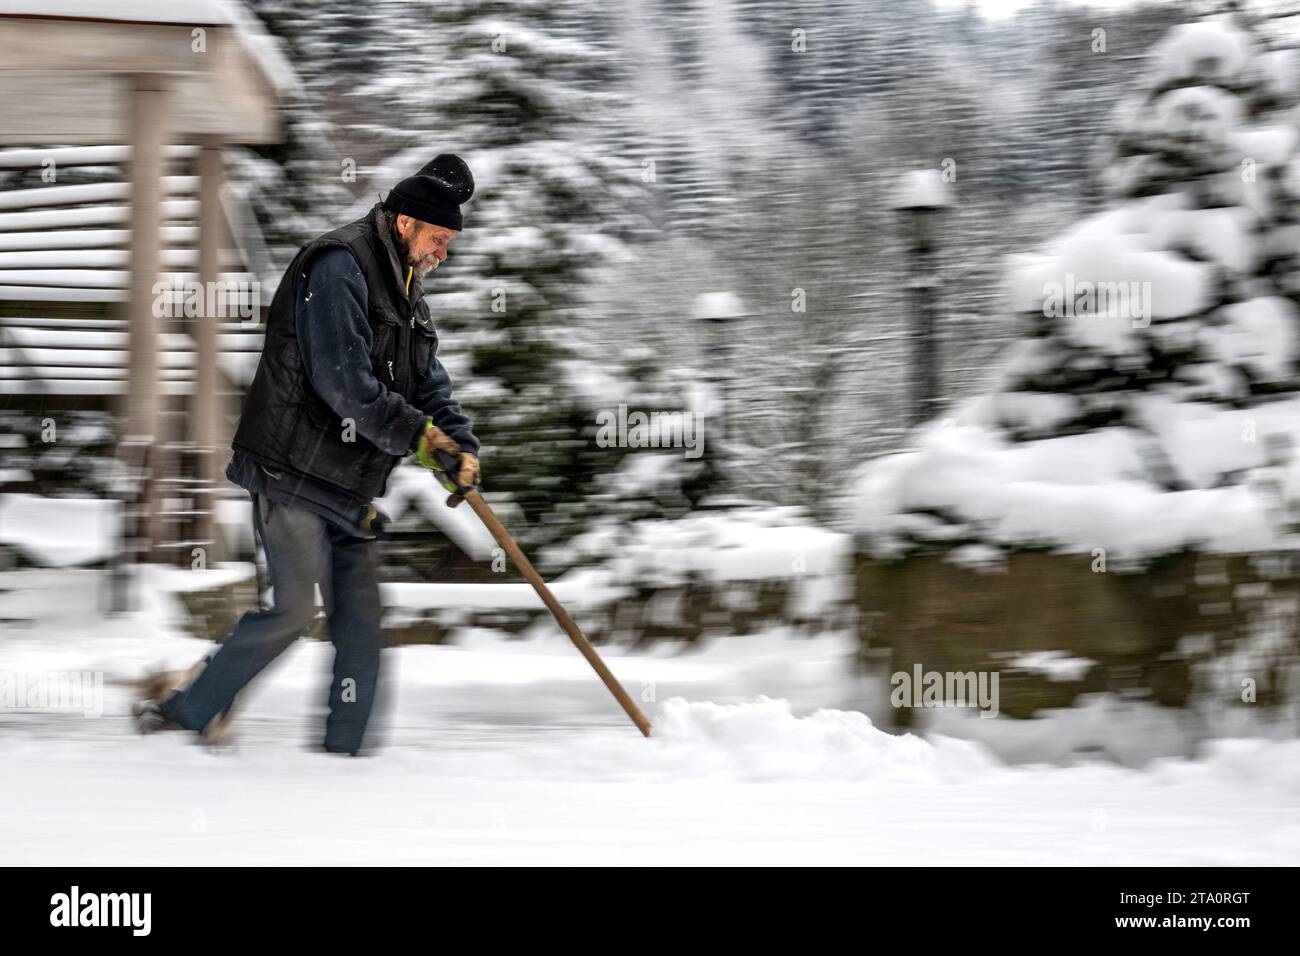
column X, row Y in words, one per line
column 511, row 752
column 483, row 795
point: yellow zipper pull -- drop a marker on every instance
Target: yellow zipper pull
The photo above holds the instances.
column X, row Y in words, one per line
column 410, row 271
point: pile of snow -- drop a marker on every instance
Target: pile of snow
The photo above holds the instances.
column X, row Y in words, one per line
column 968, row 482
column 764, row 740
column 1250, row 761
column 725, row 545
column 753, row 543
column 60, row 531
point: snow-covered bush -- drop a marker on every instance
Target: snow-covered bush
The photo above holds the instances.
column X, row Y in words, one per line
column 1152, row 405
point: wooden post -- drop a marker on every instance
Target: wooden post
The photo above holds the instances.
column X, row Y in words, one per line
column 205, row 400
column 150, row 102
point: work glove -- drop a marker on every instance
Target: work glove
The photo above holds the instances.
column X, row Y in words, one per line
column 433, row 440
column 466, row 480
column 456, row 471
column 458, row 474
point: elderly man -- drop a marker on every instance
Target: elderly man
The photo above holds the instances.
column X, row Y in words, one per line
column 347, row 385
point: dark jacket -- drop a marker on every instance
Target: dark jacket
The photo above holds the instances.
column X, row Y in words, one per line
column 349, row 372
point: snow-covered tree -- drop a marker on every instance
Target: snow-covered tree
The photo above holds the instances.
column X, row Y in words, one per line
column 1151, row 401
column 515, row 89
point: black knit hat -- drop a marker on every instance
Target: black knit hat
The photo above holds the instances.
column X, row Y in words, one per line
column 435, row 193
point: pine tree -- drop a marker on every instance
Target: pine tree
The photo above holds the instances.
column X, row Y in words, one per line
column 515, row 88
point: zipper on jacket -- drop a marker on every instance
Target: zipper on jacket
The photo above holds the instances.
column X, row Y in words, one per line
column 410, row 271
column 390, row 371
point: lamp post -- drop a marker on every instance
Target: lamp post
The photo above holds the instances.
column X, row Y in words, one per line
column 717, row 312
column 922, row 196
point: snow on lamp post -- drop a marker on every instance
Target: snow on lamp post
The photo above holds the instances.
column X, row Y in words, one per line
column 921, row 197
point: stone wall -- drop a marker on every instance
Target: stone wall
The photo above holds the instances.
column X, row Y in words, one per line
column 1151, row 632
column 684, row 613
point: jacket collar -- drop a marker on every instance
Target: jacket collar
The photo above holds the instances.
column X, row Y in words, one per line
column 378, row 222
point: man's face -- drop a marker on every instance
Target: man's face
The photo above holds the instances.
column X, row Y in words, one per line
column 423, row 245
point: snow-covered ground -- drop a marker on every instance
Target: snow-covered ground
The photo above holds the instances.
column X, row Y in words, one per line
column 501, row 751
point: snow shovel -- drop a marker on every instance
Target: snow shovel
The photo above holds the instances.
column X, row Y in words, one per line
column 498, row 531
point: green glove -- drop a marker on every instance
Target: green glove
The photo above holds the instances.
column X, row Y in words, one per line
column 432, row 441
column 431, row 452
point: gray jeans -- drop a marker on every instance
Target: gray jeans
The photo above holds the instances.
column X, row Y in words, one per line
column 302, row 549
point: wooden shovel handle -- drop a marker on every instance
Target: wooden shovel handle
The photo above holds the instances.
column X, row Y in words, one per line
column 525, row 567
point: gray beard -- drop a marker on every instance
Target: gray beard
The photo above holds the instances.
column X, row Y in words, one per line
column 404, row 251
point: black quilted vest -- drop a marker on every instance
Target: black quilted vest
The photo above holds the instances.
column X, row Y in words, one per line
column 285, row 423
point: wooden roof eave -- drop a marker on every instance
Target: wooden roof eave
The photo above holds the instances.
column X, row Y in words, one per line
column 69, row 81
